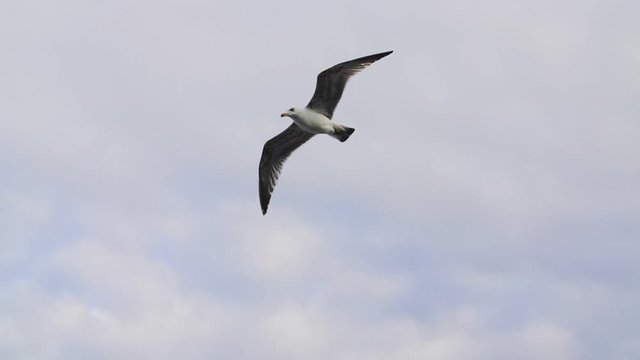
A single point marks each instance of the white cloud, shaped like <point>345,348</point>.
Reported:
<point>117,304</point>
<point>281,250</point>
<point>22,213</point>
<point>549,341</point>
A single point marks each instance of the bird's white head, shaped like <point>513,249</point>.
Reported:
<point>289,112</point>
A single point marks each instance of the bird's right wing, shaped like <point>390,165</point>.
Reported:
<point>274,154</point>
<point>331,82</point>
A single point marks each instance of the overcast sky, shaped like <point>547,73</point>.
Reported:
<point>487,206</point>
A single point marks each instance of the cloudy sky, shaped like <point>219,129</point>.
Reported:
<point>487,207</point>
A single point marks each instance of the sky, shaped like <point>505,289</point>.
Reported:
<point>487,206</point>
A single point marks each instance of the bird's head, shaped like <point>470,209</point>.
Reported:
<point>288,113</point>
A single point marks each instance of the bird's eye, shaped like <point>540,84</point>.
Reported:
<point>291,109</point>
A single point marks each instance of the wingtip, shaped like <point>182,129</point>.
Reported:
<point>379,56</point>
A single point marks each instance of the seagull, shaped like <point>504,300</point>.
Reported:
<point>313,119</point>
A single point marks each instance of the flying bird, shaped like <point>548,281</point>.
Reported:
<point>315,118</point>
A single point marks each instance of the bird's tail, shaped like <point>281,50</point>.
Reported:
<point>342,132</point>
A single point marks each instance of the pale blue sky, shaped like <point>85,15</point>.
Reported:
<point>486,207</point>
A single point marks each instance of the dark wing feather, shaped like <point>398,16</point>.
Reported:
<point>331,83</point>
<point>274,154</point>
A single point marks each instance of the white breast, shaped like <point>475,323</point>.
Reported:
<point>312,121</point>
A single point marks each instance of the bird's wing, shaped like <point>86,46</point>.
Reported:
<point>274,154</point>
<point>331,83</point>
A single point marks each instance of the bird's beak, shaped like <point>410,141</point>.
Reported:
<point>284,114</point>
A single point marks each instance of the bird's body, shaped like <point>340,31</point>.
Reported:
<point>313,119</point>
<point>317,123</point>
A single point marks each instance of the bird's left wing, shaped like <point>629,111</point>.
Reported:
<point>274,154</point>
